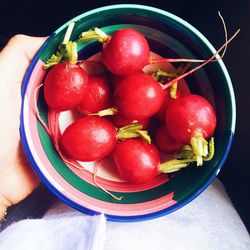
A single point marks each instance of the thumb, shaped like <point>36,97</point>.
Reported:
<point>19,52</point>
<point>25,45</point>
<point>17,55</point>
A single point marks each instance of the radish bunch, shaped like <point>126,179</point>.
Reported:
<point>123,107</point>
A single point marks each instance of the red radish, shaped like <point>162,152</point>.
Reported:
<point>99,95</point>
<point>165,143</point>
<point>65,86</point>
<point>89,138</point>
<point>136,161</point>
<point>190,120</point>
<point>126,51</point>
<point>55,133</point>
<point>189,116</point>
<point>138,96</point>
<point>92,137</point>
<point>139,162</point>
<point>119,121</point>
<point>66,82</point>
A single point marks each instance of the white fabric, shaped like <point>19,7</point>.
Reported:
<point>69,231</point>
<point>208,222</point>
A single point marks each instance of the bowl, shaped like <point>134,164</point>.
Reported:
<point>169,36</point>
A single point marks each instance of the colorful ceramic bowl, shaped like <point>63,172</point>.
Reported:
<point>169,36</point>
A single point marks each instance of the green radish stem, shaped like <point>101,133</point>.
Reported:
<point>66,50</point>
<point>187,156</point>
<point>93,34</point>
<point>162,76</point>
<point>68,33</point>
<point>71,48</point>
<point>210,151</point>
<point>173,90</point>
<point>200,148</point>
<point>133,131</point>
<point>174,165</point>
<point>105,112</point>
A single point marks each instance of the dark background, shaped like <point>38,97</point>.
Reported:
<point>41,18</point>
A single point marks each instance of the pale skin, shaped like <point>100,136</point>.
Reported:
<point>17,179</point>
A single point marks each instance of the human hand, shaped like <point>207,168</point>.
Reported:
<point>17,179</point>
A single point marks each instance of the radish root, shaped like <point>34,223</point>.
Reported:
<point>169,84</point>
<point>99,186</point>
<point>172,60</point>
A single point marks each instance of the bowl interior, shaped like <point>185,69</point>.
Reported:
<point>168,36</point>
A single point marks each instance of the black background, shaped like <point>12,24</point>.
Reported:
<point>41,18</point>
